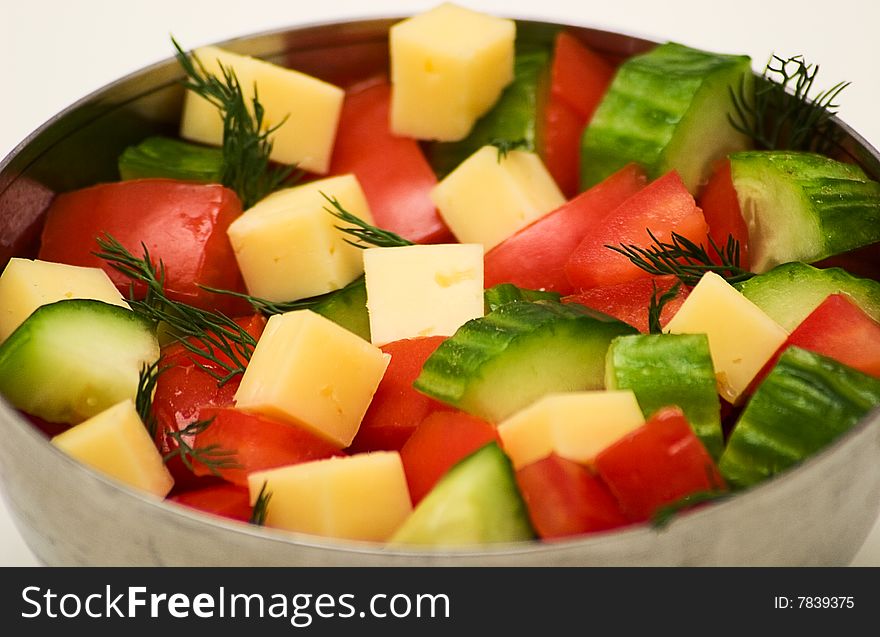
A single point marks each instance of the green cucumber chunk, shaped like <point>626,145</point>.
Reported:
<point>670,369</point>
<point>476,502</point>
<point>802,206</point>
<point>790,292</point>
<point>513,118</point>
<point>173,159</point>
<point>806,401</point>
<point>666,109</point>
<point>348,308</point>
<point>495,365</point>
<point>72,359</point>
<point>498,295</point>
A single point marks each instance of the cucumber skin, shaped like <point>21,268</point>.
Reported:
<point>789,292</point>
<point>839,205</point>
<point>648,106</point>
<point>476,502</point>
<point>804,403</point>
<point>37,377</point>
<point>348,307</point>
<point>514,117</point>
<point>172,159</point>
<point>473,364</point>
<point>670,369</point>
<point>498,295</point>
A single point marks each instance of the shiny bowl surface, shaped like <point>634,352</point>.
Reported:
<point>818,513</point>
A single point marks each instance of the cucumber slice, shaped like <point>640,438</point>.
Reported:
<point>348,308</point>
<point>495,365</point>
<point>173,159</point>
<point>806,401</point>
<point>514,117</point>
<point>476,502</point>
<point>72,359</point>
<point>670,369</point>
<point>802,206</point>
<point>498,295</point>
<point>666,109</point>
<point>789,292</point>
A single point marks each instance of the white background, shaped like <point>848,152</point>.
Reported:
<point>53,53</point>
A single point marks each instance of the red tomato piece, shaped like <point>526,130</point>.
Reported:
<point>629,302</point>
<point>176,353</point>
<point>578,75</point>
<point>664,206</point>
<point>657,464</point>
<point>182,224</point>
<point>721,208</point>
<point>561,149</point>
<point>227,500</point>
<point>441,440</point>
<point>397,409</point>
<point>259,443</point>
<point>535,257</point>
<point>396,177</point>
<point>839,329</point>
<point>564,499</point>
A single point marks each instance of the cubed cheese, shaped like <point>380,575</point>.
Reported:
<point>573,425</point>
<point>448,67</point>
<point>741,337</point>
<point>359,497</point>
<point>116,443</point>
<point>488,198</point>
<point>27,284</point>
<point>424,290</point>
<point>311,108</point>
<point>308,370</point>
<point>288,247</point>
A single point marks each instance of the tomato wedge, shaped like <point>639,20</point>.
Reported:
<point>721,208</point>
<point>657,464</point>
<point>397,409</point>
<point>396,178</point>
<point>561,147</point>
<point>578,76</point>
<point>442,439</point>
<point>182,224</point>
<point>629,302</point>
<point>258,443</point>
<point>226,500</point>
<point>536,256</point>
<point>564,499</point>
<point>664,206</point>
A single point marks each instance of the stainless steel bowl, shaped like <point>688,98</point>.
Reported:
<point>819,513</point>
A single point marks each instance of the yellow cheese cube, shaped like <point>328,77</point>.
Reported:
<point>27,284</point>
<point>487,198</point>
<point>448,67</point>
<point>116,443</point>
<point>573,425</point>
<point>311,108</point>
<point>741,337</point>
<point>359,497</point>
<point>308,370</point>
<point>424,290</point>
<point>288,247</point>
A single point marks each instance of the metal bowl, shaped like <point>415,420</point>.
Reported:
<point>818,513</point>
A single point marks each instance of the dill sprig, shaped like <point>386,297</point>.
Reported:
<point>268,308</point>
<point>663,515</point>
<point>213,456</point>
<point>685,259</point>
<point>210,335</point>
<point>780,114</point>
<point>366,235</point>
<point>261,506</point>
<point>246,143</point>
<point>143,400</point>
<point>505,145</point>
<point>655,308</point>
